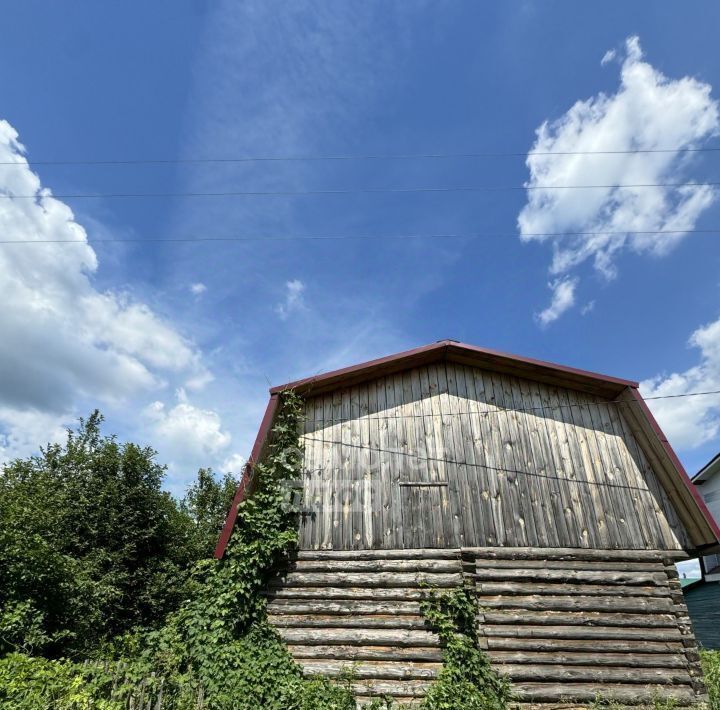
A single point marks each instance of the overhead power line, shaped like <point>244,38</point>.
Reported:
<point>348,157</point>
<point>359,237</point>
<point>499,408</point>
<point>471,464</point>
<point>352,191</point>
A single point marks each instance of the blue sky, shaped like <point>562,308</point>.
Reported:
<point>177,343</point>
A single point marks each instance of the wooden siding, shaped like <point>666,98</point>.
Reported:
<point>447,456</point>
<point>703,603</point>
<point>565,625</point>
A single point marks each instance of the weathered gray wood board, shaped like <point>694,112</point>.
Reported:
<point>449,456</point>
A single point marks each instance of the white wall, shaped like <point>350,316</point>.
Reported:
<point>710,492</point>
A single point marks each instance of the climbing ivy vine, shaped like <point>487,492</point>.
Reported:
<point>467,680</point>
<point>220,639</point>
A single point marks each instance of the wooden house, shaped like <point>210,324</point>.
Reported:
<point>549,491</point>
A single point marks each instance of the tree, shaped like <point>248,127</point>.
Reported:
<point>90,544</point>
<point>207,502</point>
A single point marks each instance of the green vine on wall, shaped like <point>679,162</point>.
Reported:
<point>467,680</point>
<point>228,646</point>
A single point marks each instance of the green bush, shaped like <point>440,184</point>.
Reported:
<point>32,683</point>
<point>91,547</point>
<point>711,669</point>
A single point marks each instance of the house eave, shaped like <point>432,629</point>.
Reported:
<point>453,351</point>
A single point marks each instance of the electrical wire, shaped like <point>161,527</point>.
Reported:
<point>360,237</point>
<point>469,464</point>
<point>349,191</point>
<point>349,157</point>
<point>499,409</point>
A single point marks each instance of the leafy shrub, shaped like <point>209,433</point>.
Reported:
<point>711,669</point>
<point>91,547</point>
<point>28,683</point>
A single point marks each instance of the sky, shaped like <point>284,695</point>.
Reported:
<point>177,343</point>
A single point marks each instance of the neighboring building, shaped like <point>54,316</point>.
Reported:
<point>703,603</point>
<point>702,596</point>
<point>707,480</point>
<point>549,491</point>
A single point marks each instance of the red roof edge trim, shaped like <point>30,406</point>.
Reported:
<point>361,366</point>
<point>543,363</point>
<point>676,462</point>
<point>449,346</point>
<point>245,482</point>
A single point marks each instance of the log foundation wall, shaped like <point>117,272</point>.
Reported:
<point>565,625</point>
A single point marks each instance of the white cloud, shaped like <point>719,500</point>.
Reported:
<point>63,340</point>
<point>187,436</point>
<point>233,464</point>
<point>608,57</point>
<point>589,307</point>
<point>648,111</point>
<point>293,299</point>
<point>689,422</point>
<point>197,289</point>
<point>563,298</point>
<point>24,430</point>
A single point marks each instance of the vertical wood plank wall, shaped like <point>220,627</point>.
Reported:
<point>448,455</point>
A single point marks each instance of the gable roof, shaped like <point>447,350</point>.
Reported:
<point>454,351</point>
<point>691,509</point>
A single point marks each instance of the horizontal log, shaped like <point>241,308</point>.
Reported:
<point>373,670</point>
<point>416,554</point>
<point>368,653</point>
<point>558,589</point>
<point>578,603</point>
<point>395,689</point>
<point>348,622</point>
<point>580,632</point>
<point>348,593</point>
<point>573,618</point>
<point>342,608</point>
<point>598,646</point>
<point>645,579</point>
<point>588,658</point>
<point>572,553</point>
<point>595,674</point>
<point>597,565</point>
<point>380,579</point>
<point>358,637</point>
<point>627,694</point>
<point>392,565</point>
